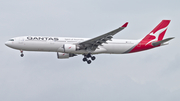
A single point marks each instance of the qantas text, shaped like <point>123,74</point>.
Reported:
<point>42,38</point>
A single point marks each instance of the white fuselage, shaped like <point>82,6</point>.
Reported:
<point>55,44</point>
<point>69,47</point>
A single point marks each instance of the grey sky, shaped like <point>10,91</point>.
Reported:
<point>152,75</point>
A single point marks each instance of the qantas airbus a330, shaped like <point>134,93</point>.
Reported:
<point>68,47</point>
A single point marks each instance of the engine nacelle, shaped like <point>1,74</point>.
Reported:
<point>70,48</point>
<point>64,55</point>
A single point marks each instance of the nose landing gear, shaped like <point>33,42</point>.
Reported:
<point>87,56</point>
<point>21,53</point>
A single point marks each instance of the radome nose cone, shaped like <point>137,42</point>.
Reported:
<point>7,43</point>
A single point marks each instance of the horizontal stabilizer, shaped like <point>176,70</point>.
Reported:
<point>161,42</point>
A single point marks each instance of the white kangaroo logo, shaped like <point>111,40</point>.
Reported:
<point>156,34</point>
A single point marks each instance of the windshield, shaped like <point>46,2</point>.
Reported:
<point>11,39</point>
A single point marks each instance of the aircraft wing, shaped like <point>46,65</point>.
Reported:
<point>93,43</point>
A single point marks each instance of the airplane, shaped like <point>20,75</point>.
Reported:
<point>67,47</point>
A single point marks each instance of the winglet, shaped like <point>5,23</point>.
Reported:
<point>125,25</point>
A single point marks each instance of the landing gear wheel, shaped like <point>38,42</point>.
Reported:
<point>89,61</point>
<point>22,55</point>
<point>84,59</point>
<point>93,58</point>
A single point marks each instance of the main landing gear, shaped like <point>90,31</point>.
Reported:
<point>21,53</point>
<point>87,56</point>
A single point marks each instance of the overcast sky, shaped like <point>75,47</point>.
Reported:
<point>152,75</point>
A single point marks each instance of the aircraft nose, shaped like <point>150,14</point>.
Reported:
<point>7,43</point>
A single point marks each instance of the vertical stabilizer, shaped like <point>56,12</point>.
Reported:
<point>155,35</point>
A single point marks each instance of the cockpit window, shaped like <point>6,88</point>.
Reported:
<point>11,39</point>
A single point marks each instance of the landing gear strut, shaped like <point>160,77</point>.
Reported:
<point>21,53</point>
<point>87,56</point>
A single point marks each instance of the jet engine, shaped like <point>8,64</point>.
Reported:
<point>64,55</point>
<point>70,48</point>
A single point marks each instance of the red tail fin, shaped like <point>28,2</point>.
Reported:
<point>155,35</point>
<point>158,32</point>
